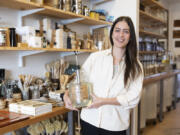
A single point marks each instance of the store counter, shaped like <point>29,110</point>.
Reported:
<point>158,96</point>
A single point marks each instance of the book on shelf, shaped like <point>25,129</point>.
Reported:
<point>30,107</point>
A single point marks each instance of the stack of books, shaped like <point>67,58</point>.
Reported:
<point>30,107</point>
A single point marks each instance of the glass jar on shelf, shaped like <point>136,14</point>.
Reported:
<point>3,36</point>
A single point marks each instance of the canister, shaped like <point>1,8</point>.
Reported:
<point>85,10</point>
<point>93,14</point>
<point>13,42</point>
<point>97,16</point>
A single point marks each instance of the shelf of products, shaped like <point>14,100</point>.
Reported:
<point>33,120</point>
<point>48,11</point>
<point>152,19</point>
<point>51,11</point>
<point>44,49</point>
<point>153,26</point>
<point>40,9</point>
<point>153,4</point>
<point>150,34</point>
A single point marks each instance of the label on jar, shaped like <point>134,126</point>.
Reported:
<point>2,38</point>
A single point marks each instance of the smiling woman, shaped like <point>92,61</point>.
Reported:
<point>116,75</point>
<point>121,35</point>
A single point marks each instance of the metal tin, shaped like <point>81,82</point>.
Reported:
<point>77,6</point>
<point>85,11</point>
<point>93,14</point>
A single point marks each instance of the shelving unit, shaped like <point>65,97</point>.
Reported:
<point>26,8</point>
<point>66,17</point>
<point>150,26</point>
<point>153,4</point>
<point>50,11</point>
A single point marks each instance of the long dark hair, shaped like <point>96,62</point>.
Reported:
<point>132,69</point>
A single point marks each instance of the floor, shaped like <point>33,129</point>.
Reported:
<point>169,126</point>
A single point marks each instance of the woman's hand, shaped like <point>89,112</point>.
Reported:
<point>67,101</point>
<point>97,102</point>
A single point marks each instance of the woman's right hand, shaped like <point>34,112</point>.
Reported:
<point>67,101</point>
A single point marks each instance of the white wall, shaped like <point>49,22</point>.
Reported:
<point>118,8</point>
<point>8,17</point>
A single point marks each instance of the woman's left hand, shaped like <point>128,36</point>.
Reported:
<point>96,102</point>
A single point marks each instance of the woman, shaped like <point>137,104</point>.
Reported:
<point>117,77</point>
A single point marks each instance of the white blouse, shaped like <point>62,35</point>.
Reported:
<point>98,70</point>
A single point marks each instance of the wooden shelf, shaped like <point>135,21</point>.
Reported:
<point>19,4</point>
<point>150,34</point>
<point>151,18</point>
<point>153,3</point>
<point>159,76</point>
<point>53,12</point>
<point>44,49</point>
<point>150,52</point>
<point>50,11</point>
<point>33,119</point>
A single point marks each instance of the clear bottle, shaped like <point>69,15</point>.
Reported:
<point>80,92</point>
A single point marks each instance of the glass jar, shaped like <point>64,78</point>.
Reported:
<point>9,93</point>
<point>36,94</point>
<point>2,37</point>
<point>80,94</point>
<point>25,93</point>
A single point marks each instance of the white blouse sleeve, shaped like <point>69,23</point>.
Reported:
<point>131,97</point>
